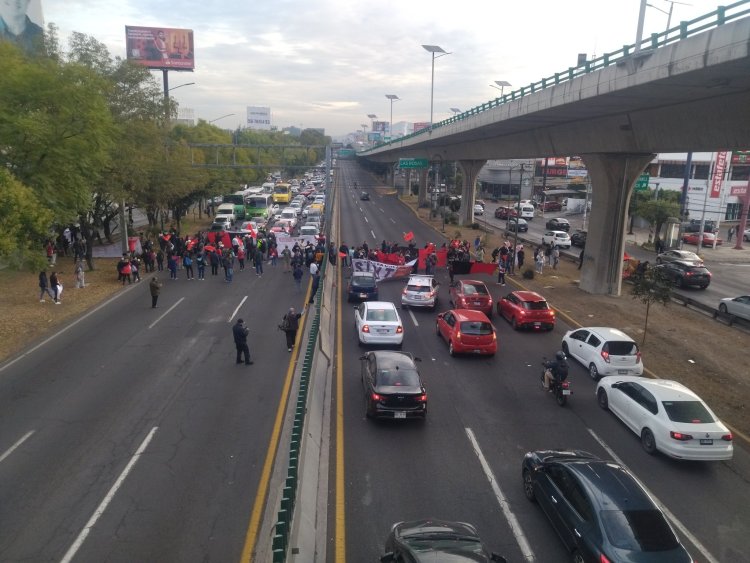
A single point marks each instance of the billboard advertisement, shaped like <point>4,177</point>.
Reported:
<point>259,118</point>
<point>160,47</point>
<point>381,126</point>
<point>419,125</point>
<point>718,177</point>
<point>22,23</point>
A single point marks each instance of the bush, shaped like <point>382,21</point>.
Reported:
<point>528,274</point>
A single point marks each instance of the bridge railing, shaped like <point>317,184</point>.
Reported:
<point>685,29</point>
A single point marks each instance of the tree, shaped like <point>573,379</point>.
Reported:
<point>650,286</point>
<point>657,211</point>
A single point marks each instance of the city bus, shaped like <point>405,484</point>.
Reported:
<point>238,200</point>
<point>282,193</point>
<point>258,207</point>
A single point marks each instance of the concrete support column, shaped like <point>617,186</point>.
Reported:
<point>422,197</point>
<point>407,187</point>
<point>612,179</point>
<point>393,175</point>
<point>471,170</point>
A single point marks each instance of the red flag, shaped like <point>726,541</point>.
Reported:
<point>250,229</point>
<point>342,254</point>
<point>408,236</point>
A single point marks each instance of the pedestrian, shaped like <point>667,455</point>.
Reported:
<point>730,233</point>
<point>187,263</point>
<point>539,262</point>
<point>580,257</point>
<point>171,265</point>
<point>548,254</point>
<point>501,272</point>
<point>297,274</point>
<point>160,260</point>
<point>287,255</point>
<point>555,256</point>
<point>290,326</point>
<point>313,269</point>
<point>214,259</point>
<point>241,256</point>
<point>135,268</point>
<point>44,287</point>
<point>344,253</point>
<point>200,262</point>
<point>314,289</point>
<point>154,287</point>
<point>51,253</point>
<point>124,269</point>
<point>80,275</point>
<point>228,264</point>
<point>477,242</point>
<point>258,261</point>
<point>274,254</point>
<point>520,256</point>
<point>480,254</point>
<point>240,332</point>
<point>56,286</point>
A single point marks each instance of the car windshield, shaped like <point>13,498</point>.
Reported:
<point>535,305</point>
<point>364,281</point>
<point>402,377</point>
<point>692,412</point>
<point>638,530</point>
<point>470,289</point>
<point>476,328</point>
<point>418,288</point>
<point>381,315</point>
<point>621,348</point>
<point>258,202</point>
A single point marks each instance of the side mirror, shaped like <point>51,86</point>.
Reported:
<point>417,359</point>
<point>498,558</point>
<point>387,558</point>
<point>362,358</point>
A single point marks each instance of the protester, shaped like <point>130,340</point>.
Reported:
<point>154,287</point>
<point>80,275</point>
<point>290,325</point>
<point>240,332</point>
<point>56,286</point>
<point>44,287</point>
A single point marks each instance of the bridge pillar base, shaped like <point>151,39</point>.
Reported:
<point>471,170</point>
<point>613,176</point>
<point>422,197</point>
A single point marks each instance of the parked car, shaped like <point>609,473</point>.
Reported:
<point>708,239</point>
<point>746,235</point>
<point>684,274</point>
<point>392,385</point>
<point>551,205</point>
<point>517,223</point>
<point>603,351</point>
<point>578,238</point>
<point>598,509</point>
<point>436,540</point>
<point>558,224</point>
<point>378,322</point>
<point>526,309</point>
<point>478,209</point>
<point>363,286</point>
<point>467,332</point>
<point>471,294</point>
<point>560,238</point>
<point>420,291</point>
<point>364,196</point>
<point>667,416</point>
<point>737,306</point>
<point>679,255</point>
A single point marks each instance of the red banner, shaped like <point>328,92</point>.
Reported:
<point>442,257</point>
<point>718,177</point>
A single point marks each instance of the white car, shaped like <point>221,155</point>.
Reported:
<point>603,351</point>
<point>225,220</point>
<point>310,230</point>
<point>560,238</point>
<point>737,306</point>
<point>667,416</point>
<point>420,291</point>
<point>289,214</point>
<point>746,236</point>
<point>378,322</point>
<point>478,209</point>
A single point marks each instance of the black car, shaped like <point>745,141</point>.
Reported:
<point>436,540</point>
<point>364,196</point>
<point>517,223</point>
<point>363,286</point>
<point>598,509</point>
<point>558,224</point>
<point>685,274</point>
<point>392,386</point>
<point>578,238</point>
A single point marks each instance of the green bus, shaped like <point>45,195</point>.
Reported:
<point>238,200</point>
<point>258,206</point>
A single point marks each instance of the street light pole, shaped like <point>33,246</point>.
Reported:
<point>501,84</point>
<point>392,98</point>
<point>434,49</point>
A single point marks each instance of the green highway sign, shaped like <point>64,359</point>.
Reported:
<point>641,184</point>
<point>412,163</point>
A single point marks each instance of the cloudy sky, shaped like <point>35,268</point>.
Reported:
<point>329,63</point>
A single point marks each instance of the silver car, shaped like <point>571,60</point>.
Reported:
<point>420,291</point>
<point>736,306</point>
<point>679,255</point>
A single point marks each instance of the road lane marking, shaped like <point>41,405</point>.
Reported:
<point>413,318</point>
<point>373,234</point>
<point>340,504</point>
<point>153,324</point>
<point>16,445</point>
<point>381,209</point>
<point>73,549</point>
<point>393,220</point>
<point>366,220</point>
<point>679,525</point>
<point>515,526</point>
<point>229,320</point>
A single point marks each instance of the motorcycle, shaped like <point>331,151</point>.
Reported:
<point>561,390</point>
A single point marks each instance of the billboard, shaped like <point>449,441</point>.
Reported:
<point>22,23</point>
<point>380,126</point>
<point>160,47</point>
<point>259,118</point>
<point>419,125</point>
<point>719,168</point>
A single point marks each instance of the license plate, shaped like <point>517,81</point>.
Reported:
<point>417,297</point>
<point>477,351</point>
<point>622,371</point>
<point>537,325</point>
<point>363,296</point>
<point>477,302</point>
<point>566,391</point>
<point>399,414</point>
<point>705,442</point>
<point>382,331</point>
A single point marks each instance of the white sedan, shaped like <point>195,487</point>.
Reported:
<point>667,416</point>
<point>378,322</point>
<point>560,238</point>
<point>478,209</point>
<point>737,306</point>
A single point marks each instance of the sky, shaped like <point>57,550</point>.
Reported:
<point>329,63</point>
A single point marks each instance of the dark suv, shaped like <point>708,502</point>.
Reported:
<point>363,286</point>
<point>684,274</point>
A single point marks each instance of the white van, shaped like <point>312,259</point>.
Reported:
<point>226,209</point>
<point>526,211</point>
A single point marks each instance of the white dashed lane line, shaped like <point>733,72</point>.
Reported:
<point>413,318</point>
<point>17,445</point>
<point>373,235</point>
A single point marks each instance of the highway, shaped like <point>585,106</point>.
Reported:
<point>131,435</point>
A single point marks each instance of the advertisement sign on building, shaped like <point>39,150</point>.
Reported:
<point>160,47</point>
<point>22,23</point>
<point>259,118</point>
<point>718,177</point>
<point>740,157</point>
<point>576,167</point>
<point>419,125</point>
<point>380,126</point>
<point>374,137</point>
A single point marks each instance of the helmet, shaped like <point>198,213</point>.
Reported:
<point>560,355</point>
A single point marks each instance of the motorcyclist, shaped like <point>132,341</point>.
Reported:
<point>557,369</point>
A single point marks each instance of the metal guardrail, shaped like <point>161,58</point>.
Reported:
<point>685,29</point>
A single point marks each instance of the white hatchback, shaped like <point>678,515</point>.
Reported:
<point>378,322</point>
<point>603,351</point>
<point>560,238</point>
<point>667,416</point>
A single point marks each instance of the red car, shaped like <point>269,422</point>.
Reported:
<point>526,309</point>
<point>471,294</point>
<point>467,332</point>
<point>552,205</point>
<point>708,239</point>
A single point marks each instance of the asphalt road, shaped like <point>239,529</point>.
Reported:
<point>463,462</point>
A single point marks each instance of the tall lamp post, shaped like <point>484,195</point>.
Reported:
<point>392,98</point>
<point>433,49</point>
<point>455,110</point>
<point>372,118</point>
<point>222,117</point>
<point>500,85</point>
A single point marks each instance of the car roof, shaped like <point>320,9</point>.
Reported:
<point>559,233</point>
<point>562,219</point>
<point>470,315</point>
<point>379,305</point>
<point>610,485</point>
<point>529,296</point>
<point>662,389</point>
<point>388,359</point>
<point>472,282</point>
<point>606,332</point>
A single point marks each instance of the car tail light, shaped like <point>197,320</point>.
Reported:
<point>565,385</point>
<point>727,437</point>
<point>458,335</point>
<point>638,357</point>
<point>365,328</point>
<point>604,559</point>
<point>680,436</point>
<point>399,329</point>
<point>422,398</point>
<point>375,397</point>
<point>605,355</point>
